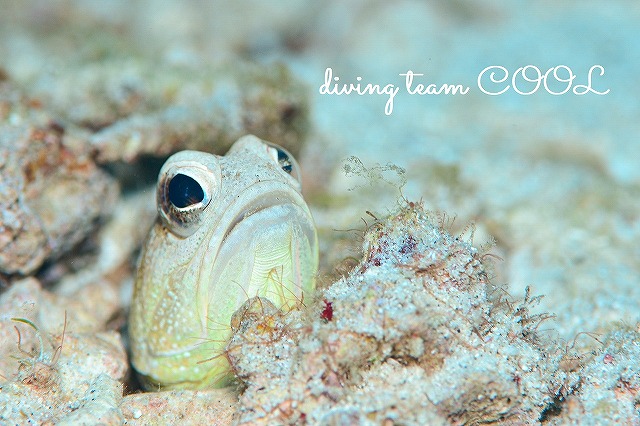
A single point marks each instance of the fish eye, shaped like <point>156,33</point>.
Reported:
<point>187,183</point>
<point>286,161</point>
<point>184,191</point>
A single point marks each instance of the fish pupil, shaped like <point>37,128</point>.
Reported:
<point>284,161</point>
<point>184,191</point>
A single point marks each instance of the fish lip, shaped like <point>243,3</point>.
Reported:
<point>281,195</point>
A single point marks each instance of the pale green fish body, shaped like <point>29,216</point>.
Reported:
<point>229,228</point>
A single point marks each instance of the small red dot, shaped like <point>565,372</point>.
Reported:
<point>327,312</point>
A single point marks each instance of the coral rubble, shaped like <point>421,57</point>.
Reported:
<point>416,335</point>
<point>54,374</point>
<point>51,196</point>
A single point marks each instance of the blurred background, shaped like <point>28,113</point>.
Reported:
<point>555,180</point>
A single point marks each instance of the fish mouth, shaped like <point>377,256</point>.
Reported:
<point>268,249</point>
<point>272,201</point>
